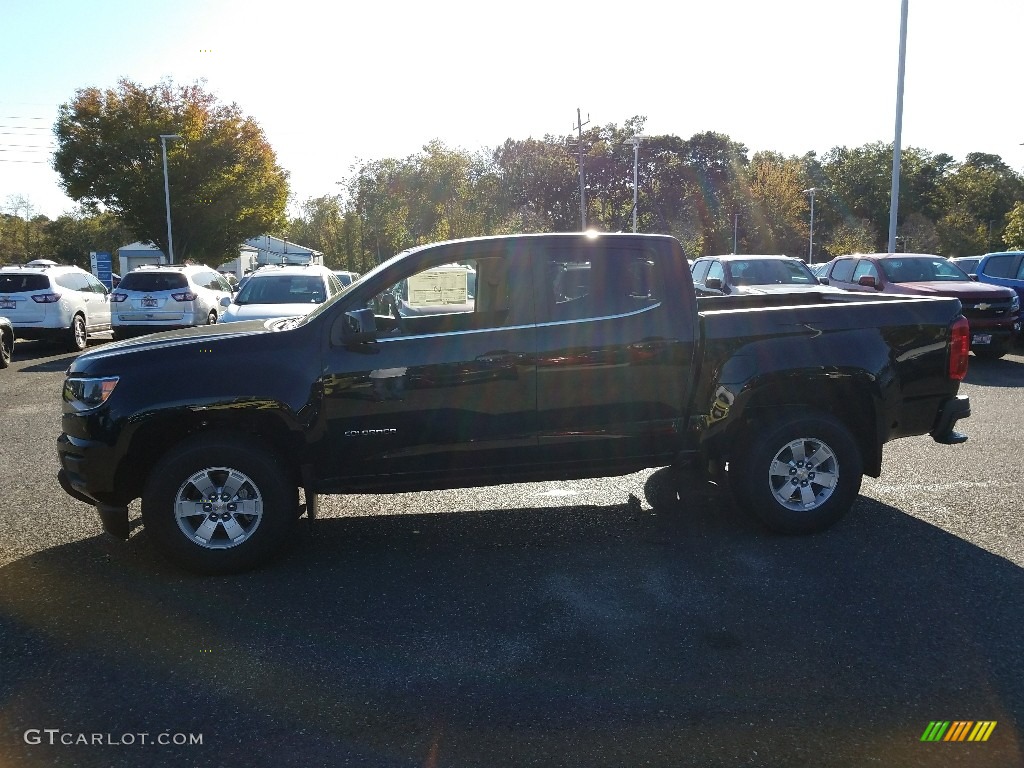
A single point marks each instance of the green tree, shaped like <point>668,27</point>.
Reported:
<point>1013,235</point>
<point>225,183</point>
<point>71,237</point>
<point>779,208</point>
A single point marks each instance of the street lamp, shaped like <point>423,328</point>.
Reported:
<point>810,242</point>
<point>167,193</point>
<point>635,141</point>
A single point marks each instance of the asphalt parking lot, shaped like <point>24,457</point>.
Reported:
<point>548,624</point>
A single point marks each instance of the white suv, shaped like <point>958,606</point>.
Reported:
<point>53,302</point>
<point>160,298</point>
<point>290,291</point>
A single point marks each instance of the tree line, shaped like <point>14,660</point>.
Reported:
<point>708,190</point>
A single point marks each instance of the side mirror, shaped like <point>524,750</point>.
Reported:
<point>868,281</point>
<point>822,281</point>
<point>973,277</point>
<point>714,282</point>
<point>355,327</point>
<point>225,301</point>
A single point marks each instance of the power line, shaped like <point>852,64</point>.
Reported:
<point>33,162</point>
<point>21,117</point>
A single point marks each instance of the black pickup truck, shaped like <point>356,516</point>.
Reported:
<point>498,360</point>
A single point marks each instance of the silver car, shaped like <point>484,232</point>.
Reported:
<point>161,298</point>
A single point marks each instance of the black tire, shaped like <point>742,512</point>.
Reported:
<point>6,349</point>
<point>78,335</point>
<point>243,475</point>
<point>773,456</point>
<point>211,319</point>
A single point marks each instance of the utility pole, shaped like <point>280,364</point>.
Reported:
<point>735,230</point>
<point>583,192</point>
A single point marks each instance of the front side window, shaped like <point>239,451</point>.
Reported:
<point>842,271</point>
<point>471,294</point>
<point>1000,266</point>
<point>864,269</point>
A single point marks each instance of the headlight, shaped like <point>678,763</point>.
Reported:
<point>88,393</point>
<point>1015,304</point>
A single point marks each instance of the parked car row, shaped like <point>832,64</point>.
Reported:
<point>990,296</point>
<point>993,311</point>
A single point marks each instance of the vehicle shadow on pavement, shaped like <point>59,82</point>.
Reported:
<point>592,635</point>
<point>1005,372</point>
<point>25,351</point>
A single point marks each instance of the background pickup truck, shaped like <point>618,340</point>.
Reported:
<point>576,355</point>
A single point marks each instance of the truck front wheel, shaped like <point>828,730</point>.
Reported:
<point>800,474</point>
<point>216,505</point>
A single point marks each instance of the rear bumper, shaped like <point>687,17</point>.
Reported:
<point>951,411</point>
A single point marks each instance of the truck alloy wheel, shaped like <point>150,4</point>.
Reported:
<point>798,475</point>
<point>218,505</point>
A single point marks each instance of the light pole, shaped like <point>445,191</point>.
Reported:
<point>635,141</point>
<point>810,242</point>
<point>894,194</point>
<point>735,230</point>
<point>167,193</point>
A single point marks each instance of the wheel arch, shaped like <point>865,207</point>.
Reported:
<point>845,398</point>
<point>263,429</point>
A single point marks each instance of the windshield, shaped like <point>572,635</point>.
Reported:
<point>922,270</point>
<point>283,289</point>
<point>771,271</point>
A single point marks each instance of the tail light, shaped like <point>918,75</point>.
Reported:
<point>46,298</point>
<point>186,296</point>
<point>959,346</point>
<point>117,298</point>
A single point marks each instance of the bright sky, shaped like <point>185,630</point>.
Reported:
<point>332,83</point>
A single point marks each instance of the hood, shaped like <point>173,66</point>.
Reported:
<point>182,336</point>
<point>957,289</point>
<point>755,290</point>
<point>237,312</point>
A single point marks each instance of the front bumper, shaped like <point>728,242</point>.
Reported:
<point>81,478</point>
<point>114,518</point>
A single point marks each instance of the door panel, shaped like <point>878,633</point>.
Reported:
<point>614,360</point>
<point>438,391</point>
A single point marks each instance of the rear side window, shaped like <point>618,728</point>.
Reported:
<point>18,283</point>
<point>1000,266</point>
<point>151,282</point>
<point>73,281</point>
<point>610,282</point>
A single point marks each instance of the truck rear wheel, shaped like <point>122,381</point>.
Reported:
<point>800,474</point>
<point>217,505</point>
